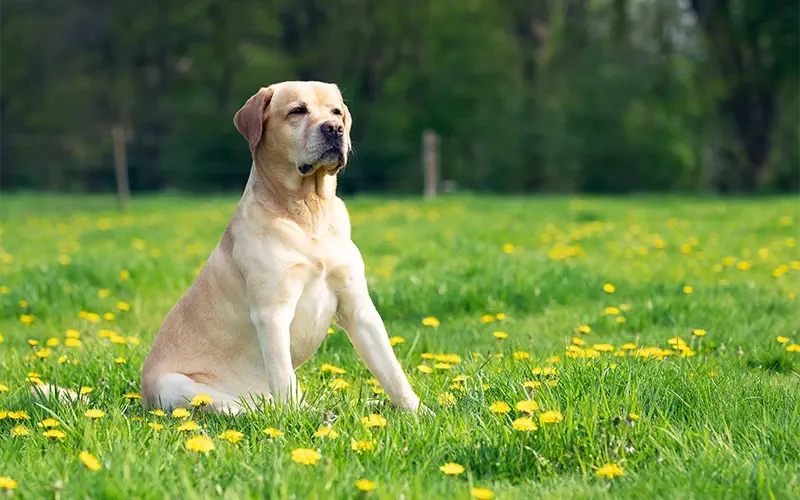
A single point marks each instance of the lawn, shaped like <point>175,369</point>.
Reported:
<point>657,335</point>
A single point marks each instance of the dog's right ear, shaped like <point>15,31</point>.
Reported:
<point>249,120</point>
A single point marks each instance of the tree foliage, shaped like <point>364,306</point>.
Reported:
<point>565,95</point>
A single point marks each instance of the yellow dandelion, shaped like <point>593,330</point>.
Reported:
<point>425,369</point>
<point>200,444</point>
<point>396,340</point>
<point>54,434</point>
<point>326,367</point>
<point>688,289</point>
<point>793,348</point>
<point>585,329</point>
<point>120,360</point>
<point>18,415</point>
<point>331,331</point>
<point>487,318</point>
<point>446,399</point>
<point>633,416</point>
<point>123,306</point>
<point>90,461</point>
<point>201,400</point>
<point>155,426</point>
<point>92,317</point>
<point>452,469</point>
<point>442,366</point>
<point>362,446</point>
<point>499,407</point>
<point>109,316</point>
<point>273,432</point>
<point>188,426</point>
<point>52,342</point>
<point>305,456</point>
<point>550,417</point>
<point>103,293</point>
<point>481,493</point>
<point>131,395</point>
<point>782,340</point>
<point>27,319</point>
<point>603,347</point>
<point>6,483</point>
<point>501,316</point>
<point>374,420</point>
<point>609,288</point>
<point>94,413</point>
<point>610,471</point>
<point>326,432</point>
<point>232,436</point>
<point>3,388</point>
<point>365,485</point>
<point>49,423</point>
<point>524,424</point>
<point>124,275</point>
<point>181,413</point>
<point>527,406</point>
<point>520,355</point>
<point>500,335</point>
<point>338,384</point>
<point>611,311</point>
<point>578,341</point>
<point>430,321</point>
<point>699,332</point>
<point>20,431</point>
<point>531,384</point>
<point>629,346</point>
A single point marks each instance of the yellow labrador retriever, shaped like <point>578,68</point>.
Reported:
<point>283,269</point>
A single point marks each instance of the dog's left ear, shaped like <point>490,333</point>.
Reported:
<point>249,120</point>
<point>348,123</point>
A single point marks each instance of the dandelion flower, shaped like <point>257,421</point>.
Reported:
<point>610,471</point>
<point>272,432</point>
<point>524,424</point>
<point>452,469</point>
<point>232,436</point>
<point>131,395</point>
<point>550,417</point>
<point>123,306</point>
<point>27,319</point>
<point>442,366</point>
<point>699,332</point>
<point>94,413</point>
<point>201,400</point>
<point>20,431</point>
<point>158,412</point>
<point>446,399</point>
<point>585,328</point>
<point>396,340</point>
<point>52,342</point>
<point>793,348</point>
<point>374,420</point>
<point>520,355</point>
<point>326,367</point>
<point>425,369</point>
<point>200,444</point>
<point>487,318</point>
<point>305,456</point>
<point>609,288</point>
<point>124,275</point>
<point>500,316</point>
<point>109,316</point>
<point>49,423</point>
<point>499,407</point>
<point>6,483</point>
<point>181,413</point>
<point>603,347</point>
<point>54,434</point>
<point>72,343</point>
<point>326,432</point>
<point>338,384</point>
<point>188,426</point>
<point>481,493</point>
<point>90,461</point>
<point>633,416</point>
<point>362,446</point>
<point>527,406</point>
<point>120,360</point>
<point>508,248</point>
<point>782,340</point>
<point>500,335</point>
<point>430,321</point>
<point>3,388</point>
<point>365,485</point>
<point>611,311</point>
<point>688,289</point>
<point>331,331</point>
<point>155,426</point>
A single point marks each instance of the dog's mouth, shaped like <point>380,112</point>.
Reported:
<point>331,160</point>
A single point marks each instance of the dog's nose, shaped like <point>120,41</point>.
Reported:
<point>332,129</point>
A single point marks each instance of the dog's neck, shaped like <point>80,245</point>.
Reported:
<point>281,190</point>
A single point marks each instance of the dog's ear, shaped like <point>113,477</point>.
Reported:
<point>249,120</point>
<point>348,123</point>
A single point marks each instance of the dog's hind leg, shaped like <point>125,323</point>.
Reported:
<point>175,390</point>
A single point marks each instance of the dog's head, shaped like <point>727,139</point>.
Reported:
<point>305,125</point>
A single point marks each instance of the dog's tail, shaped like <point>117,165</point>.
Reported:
<point>47,392</point>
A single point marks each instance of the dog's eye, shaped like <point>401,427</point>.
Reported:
<point>299,110</point>
<point>337,111</point>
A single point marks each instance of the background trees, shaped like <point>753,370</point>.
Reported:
<point>564,95</point>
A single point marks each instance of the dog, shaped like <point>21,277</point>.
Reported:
<point>284,268</point>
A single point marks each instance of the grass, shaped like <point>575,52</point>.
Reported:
<point>718,415</point>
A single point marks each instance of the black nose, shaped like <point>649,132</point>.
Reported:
<point>332,130</point>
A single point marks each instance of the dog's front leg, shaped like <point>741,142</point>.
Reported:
<point>364,326</point>
<point>271,312</point>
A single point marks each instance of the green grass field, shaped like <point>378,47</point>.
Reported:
<point>659,335</point>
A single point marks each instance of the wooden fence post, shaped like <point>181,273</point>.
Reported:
<point>121,165</point>
<point>430,162</point>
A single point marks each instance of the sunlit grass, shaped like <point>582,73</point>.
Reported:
<point>567,347</point>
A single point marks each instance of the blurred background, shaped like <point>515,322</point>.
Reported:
<point>520,96</point>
